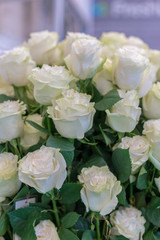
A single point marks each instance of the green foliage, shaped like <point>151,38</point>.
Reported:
<point>121,164</point>
<point>142,179</point>
<point>153,216</point>
<point>38,127</point>
<point>70,219</point>
<point>22,221</point>
<point>70,193</point>
<point>88,235</point>
<point>4,222</point>
<point>108,100</point>
<point>4,98</point>
<point>66,147</point>
<point>66,234</point>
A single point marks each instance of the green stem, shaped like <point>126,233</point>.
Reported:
<point>131,192</point>
<point>98,227</point>
<point>10,233</point>
<point>55,211</point>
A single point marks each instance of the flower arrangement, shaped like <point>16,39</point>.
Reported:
<point>80,139</point>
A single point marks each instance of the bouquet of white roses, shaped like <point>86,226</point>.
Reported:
<point>80,139</point>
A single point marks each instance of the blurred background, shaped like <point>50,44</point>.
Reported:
<point>133,17</point>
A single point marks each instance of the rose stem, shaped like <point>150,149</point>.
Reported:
<point>55,211</point>
<point>98,227</point>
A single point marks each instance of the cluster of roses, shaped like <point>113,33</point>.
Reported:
<point>51,72</point>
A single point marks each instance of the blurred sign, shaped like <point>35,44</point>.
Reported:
<point>133,17</point>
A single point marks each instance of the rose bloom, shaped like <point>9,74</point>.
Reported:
<point>9,182</point>
<point>31,135</point>
<point>154,57</point>
<point>46,230</point>
<point>151,102</point>
<point>43,169</point>
<point>138,150</point>
<point>6,89</point>
<point>133,71</point>
<point>11,123</point>
<point>128,222</point>
<point>102,81</point>
<point>124,115</point>
<point>151,129</point>
<point>152,132</point>
<point>15,66</point>
<point>100,189</point>
<point>71,37</point>
<point>84,58</point>
<point>112,41</point>
<point>49,82</point>
<point>72,114</point>
<point>42,45</point>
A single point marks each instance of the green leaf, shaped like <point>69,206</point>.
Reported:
<point>88,235</point>
<point>149,236</point>
<point>22,221</point>
<point>142,179</point>
<point>66,234</point>
<point>153,216</point>
<point>38,127</point>
<point>95,160</point>
<point>70,193</point>
<point>4,222</point>
<point>122,164</point>
<point>154,203</point>
<point>70,219</point>
<point>4,98</point>
<point>62,143</point>
<point>68,156</point>
<point>106,138</point>
<point>140,199</point>
<point>82,224</point>
<point>108,100</point>
<point>122,197</point>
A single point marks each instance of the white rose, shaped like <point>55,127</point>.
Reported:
<point>41,46</point>
<point>112,41</point>
<point>72,114</point>
<point>152,131</point>
<point>46,230</point>
<point>100,189</point>
<point>85,58</point>
<point>128,222</point>
<point>151,102</point>
<point>9,182</point>
<point>125,114</point>
<point>43,169</point>
<point>154,56</point>
<point>15,66</point>
<point>133,71</point>
<point>11,123</point>
<point>49,82</point>
<point>31,135</point>
<point>138,150</point>
<point>6,89</point>
<point>102,81</point>
<point>71,37</point>
<point>135,41</point>
<point>157,182</point>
